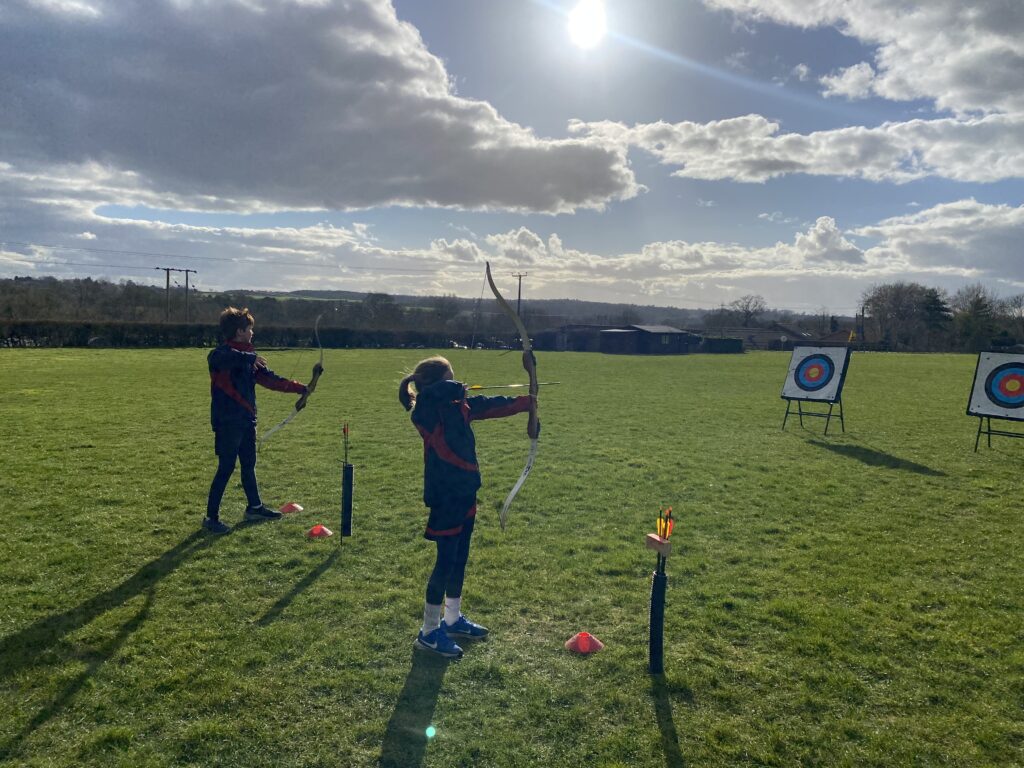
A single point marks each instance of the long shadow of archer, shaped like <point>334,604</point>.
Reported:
<point>405,740</point>
<point>878,458</point>
<point>27,648</point>
<point>275,610</point>
<point>99,658</point>
<point>666,724</point>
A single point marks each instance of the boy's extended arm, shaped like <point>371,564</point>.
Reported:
<point>267,378</point>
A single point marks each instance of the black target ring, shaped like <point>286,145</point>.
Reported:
<point>814,373</point>
<point>1004,385</point>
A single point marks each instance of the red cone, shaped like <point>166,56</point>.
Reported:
<point>290,507</point>
<point>319,532</point>
<point>583,642</point>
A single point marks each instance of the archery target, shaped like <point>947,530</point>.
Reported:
<point>998,387</point>
<point>816,373</point>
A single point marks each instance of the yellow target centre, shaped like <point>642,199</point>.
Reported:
<point>1013,385</point>
<point>814,372</point>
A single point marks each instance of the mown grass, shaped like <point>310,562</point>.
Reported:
<point>853,599</point>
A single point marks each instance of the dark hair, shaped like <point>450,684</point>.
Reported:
<point>427,372</point>
<point>232,320</point>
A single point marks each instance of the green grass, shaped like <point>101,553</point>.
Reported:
<point>851,600</point>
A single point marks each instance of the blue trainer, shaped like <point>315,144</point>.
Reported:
<point>465,628</point>
<point>438,642</point>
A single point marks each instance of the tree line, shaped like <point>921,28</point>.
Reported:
<point>912,317</point>
<point>68,311</point>
<point>901,316</point>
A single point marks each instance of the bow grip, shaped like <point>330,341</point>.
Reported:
<point>317,370</point>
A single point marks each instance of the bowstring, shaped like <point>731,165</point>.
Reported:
<point>478,314</point>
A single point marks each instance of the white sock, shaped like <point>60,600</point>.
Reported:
<point>431,618</point>
<point>452,610</point>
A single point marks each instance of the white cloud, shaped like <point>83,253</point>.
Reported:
<point>825,243</point>
<point>271,105</point>
<point>751,149</point>
<point>964,56</point>
<point>701,203</point>
<point>945,245</point>
<point>853,82</point>
<point>802,72</point>
<point>776,217</point>
<point>966,236</point>
<point>737,60</point>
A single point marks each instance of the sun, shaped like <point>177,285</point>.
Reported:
<point>587,23</point>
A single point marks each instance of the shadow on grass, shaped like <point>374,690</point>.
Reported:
<point>28,647</point>
<point>96,660</point>
<point>405,740</point>
<point>666,723</point>
<point>298,589</point>
<point>32,645</point>
<point>875,458</point>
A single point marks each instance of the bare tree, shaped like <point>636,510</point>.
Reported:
<point>749,307</point>
<point>975,308</point>
<point>898,313</point>
<point>1014,308</point>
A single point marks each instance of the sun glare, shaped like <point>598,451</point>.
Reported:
<point>587,23</point>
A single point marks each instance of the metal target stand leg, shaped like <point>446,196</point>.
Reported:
<point>828,417</point>
<point>800,412</point>
<point>985,428</point>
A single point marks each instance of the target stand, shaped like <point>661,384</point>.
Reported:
<point>997,393</point>
<point>816,375</point>
<point>826,415</point>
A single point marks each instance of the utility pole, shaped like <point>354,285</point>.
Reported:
<point>519,294</point>
<point>167,272</point>
<point>186,292</point>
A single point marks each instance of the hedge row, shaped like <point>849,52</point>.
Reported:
<point>51,333</point>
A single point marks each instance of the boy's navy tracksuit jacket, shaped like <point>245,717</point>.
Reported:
<point>233,380</point>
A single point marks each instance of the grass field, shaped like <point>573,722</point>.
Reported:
<point>851,600</point>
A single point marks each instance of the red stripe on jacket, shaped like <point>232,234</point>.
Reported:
<point>278,384</point>
<point>519,405</point>
<point>453,531</point>
<point>435,440</point>
<point>222,381</point>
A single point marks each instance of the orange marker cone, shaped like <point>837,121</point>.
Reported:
<point>290,507</point>
<point>583,642</point>
<point>319,532</point>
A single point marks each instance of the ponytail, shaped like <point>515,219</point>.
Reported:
<point>405,395</point>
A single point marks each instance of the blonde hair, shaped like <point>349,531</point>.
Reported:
<point>427,372</point>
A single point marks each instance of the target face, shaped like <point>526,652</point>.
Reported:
<point>998,387</point>
<point>816,373</point>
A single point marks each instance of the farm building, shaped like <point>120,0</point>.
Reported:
<point>571,338</point>
<point>648,340</point>
<point>776,337</point>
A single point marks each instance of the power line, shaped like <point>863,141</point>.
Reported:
<point>230,259</point>
<point>697,304</point>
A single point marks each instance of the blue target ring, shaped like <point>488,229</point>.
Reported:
<point>814,372</point>
<point>1004,386</point>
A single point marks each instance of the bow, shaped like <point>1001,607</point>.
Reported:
<point>301,403</point>
<point>530,365</point>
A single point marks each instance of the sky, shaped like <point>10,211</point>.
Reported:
<point>681,153</point>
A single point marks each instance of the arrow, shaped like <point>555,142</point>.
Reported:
<point>475,387</point>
